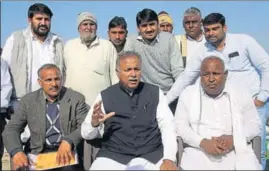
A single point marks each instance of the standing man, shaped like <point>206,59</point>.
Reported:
<point>54,115</point>
<point>90,66</point>
<point>165,22</point>
<point>27,50</point>
<point>193,37</point>
<point>246,61</point>
<point>6,90</point>
<point>134,122</point>
<point>162,62</point>
<point>117,32</point>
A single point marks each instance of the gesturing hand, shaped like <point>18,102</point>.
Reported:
<point>98,116</point>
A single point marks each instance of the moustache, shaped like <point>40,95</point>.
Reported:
<point>54,88</point>
<point>43,26</point>
<point>150,32</point>
<point>132,79</point>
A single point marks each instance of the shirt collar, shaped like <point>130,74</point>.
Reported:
<point>211,47</point>
<point>156,40</point>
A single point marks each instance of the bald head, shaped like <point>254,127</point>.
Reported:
<point>213,75</point>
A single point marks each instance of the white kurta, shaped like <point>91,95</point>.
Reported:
<point>216,120</point>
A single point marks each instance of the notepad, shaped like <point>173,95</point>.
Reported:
<point>46,161</point>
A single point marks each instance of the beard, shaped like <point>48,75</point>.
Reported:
<point>87,37</point>
<point>39,30</point>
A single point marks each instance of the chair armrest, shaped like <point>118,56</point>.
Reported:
<point>180,151</point>
<point>256,145</point>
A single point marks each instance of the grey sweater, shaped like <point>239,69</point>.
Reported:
<point>161,60</point>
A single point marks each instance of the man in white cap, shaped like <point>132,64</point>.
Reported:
<point>90,65</point>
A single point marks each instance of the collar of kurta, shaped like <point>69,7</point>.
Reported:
<point>224,92</point>
<point>129,91</point>
<point>95,42</point>
<point>191,39</point>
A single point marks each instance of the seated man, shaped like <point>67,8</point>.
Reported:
<point>134,121</point>
<point>54,115</point>
<point>217,121</point>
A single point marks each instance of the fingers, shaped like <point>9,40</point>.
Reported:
<point>20,160</point>
<point>105,117</point>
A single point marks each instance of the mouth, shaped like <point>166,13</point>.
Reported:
<point>212,86</point>
<point>132,81</point>
<point>43,28</point>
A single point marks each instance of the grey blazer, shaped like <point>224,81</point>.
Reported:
<point>32,111</point>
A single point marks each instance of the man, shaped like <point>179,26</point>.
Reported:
<point>27,50</point>
<point>246,60</point>
<point>90,57</point>
<point>117,32</point>
<point>218,121</point>
<point>54,115</point>
<point>193,37</point>
<point>162,62</point>
<point>138,130</point>
<point>90,63</point>
<point>165,22</point>
<point>6,90</point>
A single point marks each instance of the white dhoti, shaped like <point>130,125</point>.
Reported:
<point>103,163</point>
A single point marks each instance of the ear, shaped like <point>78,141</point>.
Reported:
<point>226,73</point>
<point>29,21</point>
<point>108,34</point>
<point>225,28</point>
<point>39,82</point>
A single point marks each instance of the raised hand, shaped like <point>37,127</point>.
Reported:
<point>98,116</point>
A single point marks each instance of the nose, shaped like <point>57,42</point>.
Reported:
<point>211,78</point>
<point>148,28</point>
<point>165,28</point>
<point>211,32</point>
<point>133,73</point>
<point>53,83</point>
<point>42,21</point>
<point>117,35</point>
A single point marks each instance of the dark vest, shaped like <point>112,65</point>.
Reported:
<point>133,131</point>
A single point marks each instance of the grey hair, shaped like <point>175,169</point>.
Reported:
<point>214,58</point>
<point>47,66</point>
<point>193,11</point>
<point>126,54</point>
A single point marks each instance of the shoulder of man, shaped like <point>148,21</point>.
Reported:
<point>73,94</point>
<point>32,96</point>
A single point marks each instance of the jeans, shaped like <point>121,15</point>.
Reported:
<point>264,114</point>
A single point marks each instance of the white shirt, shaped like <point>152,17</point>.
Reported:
<point>192,45</point>
<point>216,120</point>
<point>244,67</point>
<point>42,53</point>
<point>6,86</point>
<point>164,118</point>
